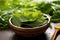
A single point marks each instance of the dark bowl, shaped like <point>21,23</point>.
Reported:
<point>30,32</point>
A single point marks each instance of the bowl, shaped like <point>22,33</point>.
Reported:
<point>30,32</point>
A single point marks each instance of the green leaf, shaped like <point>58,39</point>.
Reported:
<point>45,8</point>
<point>56,16</point>
<point>56,2</point>
<point>16,21</point>
<point>29,18</point>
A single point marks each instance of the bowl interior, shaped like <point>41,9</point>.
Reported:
<point>47,16</point>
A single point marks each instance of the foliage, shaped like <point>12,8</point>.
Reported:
<point>28,18</point>
<point>56,16</point>
<point>45,8</point>
<point>7,7</point>
<point>51,8</point>
<point>56,2</point>
<point>56,12</point>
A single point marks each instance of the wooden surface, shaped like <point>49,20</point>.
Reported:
<point>10,35</point>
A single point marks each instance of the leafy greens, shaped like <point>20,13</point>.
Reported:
<point>28,18</point>
<point>7,8</point>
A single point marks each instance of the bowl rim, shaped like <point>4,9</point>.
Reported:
<point>33,27</point>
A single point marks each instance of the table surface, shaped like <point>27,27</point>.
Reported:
<point>10,35</point>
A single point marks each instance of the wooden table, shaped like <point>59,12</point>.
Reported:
<point>10,35</point>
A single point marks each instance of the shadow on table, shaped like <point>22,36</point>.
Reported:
<point>40,37</point>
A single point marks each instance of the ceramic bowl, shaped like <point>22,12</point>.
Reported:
<point>30,32</point>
